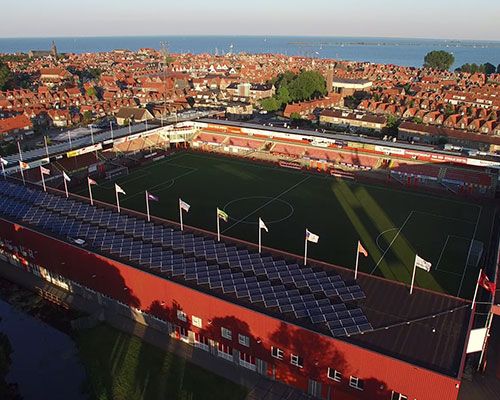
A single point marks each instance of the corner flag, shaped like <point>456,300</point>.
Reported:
<point>361,249</point>
<point>311,237</point>
<point>422,264</point>
<point>262,225</point>
<point>118,189</point>
<point>222,215</point>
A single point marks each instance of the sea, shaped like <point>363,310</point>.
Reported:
<point>406,52</point>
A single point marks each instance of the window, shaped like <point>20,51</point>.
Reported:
<point>277,353</point>
<point>226,333</point>
<point>201,342</point>
<point>356,383</point>
<point>398,396</point>
<point>335,375</point>
<point>196,321</point>
<point>181,315</point>
<point>243,340</point>
<point>296,360</point>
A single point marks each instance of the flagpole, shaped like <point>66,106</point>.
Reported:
<point>46,146</point>
<point>305,252</point>
<point>218,228</point>
<point>117,200</point>
<point>357,262</point>
<point>414,272</point>
<point>180,215</point>
<point>260,237</point>
<point>475,291</point>
<point>22,174</point>
<point>20,153</point>
<point>43,179</point>
<point>489,322</point>
<point>3,169</point>
<point>147,206</point>
<point>90,193</point>
<point>65,186</point>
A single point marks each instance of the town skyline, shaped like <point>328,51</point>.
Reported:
<point>382,19</point>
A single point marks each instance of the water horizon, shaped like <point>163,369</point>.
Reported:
<point>382,50</point>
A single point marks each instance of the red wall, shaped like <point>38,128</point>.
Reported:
<point>162,297</point>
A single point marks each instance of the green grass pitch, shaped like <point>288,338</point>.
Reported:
<point>392,224</point>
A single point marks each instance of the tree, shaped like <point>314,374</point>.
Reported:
<point>91,92</point>
<point>489,68</point>
<point>306,85</point>
<point>87,117</point>
<point>498,69</point>
<point>283,95</point>
<point>5,75</point>
<point>295,116</point>
<point>439,59</point>
<point>270,104</point>
<point>392,125</point>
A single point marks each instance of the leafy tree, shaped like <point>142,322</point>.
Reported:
<point>418,120</point>
<point>449,110</point>
<point>306,85</point>
<point>392,122</point>
<point>295,116</point>
<point>87,117</point>
<point>5,75</point>
<point>270,104</point>
<point>91,92</point>
<point>489,68</point>
<point>439,59</point>
<point>283,95</point>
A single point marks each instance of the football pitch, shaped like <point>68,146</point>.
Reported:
<point>393,225</point>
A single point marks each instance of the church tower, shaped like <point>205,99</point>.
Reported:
<point>53,49</point>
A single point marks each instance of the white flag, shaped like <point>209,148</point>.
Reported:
<point>66,177</point>
<point>44,170</point>
<point>3,161</point>
<point>311,237</point>
<point>184,206</point>
<point>262,225</point>
<point>118,189</point>
<point>422,264</point>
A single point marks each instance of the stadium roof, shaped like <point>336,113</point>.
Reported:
<point>76,143</point>
<point>425,329</point>
<point>343,137</point>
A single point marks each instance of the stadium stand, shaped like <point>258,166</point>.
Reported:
<point>245,143</point>
<point>467,177</point>
<point>211,138</point>
<point>288,151</point>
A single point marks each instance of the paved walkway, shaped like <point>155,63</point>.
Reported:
<point>260,387</point>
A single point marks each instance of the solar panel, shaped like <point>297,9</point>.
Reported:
<point>264,277</point>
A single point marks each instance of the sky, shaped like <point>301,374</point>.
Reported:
<point>440,19</point>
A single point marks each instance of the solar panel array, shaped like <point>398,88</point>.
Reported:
<point>298,291</point>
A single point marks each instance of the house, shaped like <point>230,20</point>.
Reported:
<point>59,118</point>
<point>132,114</point>
<point>307,107</point>
<point>55,76</point>
<point>17,124</point>
<point>254,92</point>
<point>436,135</point>
<point>359,121</point>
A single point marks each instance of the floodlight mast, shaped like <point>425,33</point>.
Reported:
<point>165,55</point>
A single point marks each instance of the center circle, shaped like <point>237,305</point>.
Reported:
<point>384,234</point>
<point>249,207</point>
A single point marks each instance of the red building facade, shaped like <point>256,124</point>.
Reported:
<point>326,367</point>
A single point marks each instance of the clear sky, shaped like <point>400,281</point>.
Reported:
<point>451,19</point>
